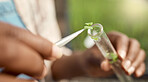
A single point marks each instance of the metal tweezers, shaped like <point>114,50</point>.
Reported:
<point>68,38</point>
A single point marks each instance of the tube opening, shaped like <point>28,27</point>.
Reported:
<point>96,31</point>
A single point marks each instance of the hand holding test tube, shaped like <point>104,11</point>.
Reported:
<point>104,45</point>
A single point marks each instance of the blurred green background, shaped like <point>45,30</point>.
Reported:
<point>126,16</point>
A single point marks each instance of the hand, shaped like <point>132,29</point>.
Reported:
<point>23,52</point>
<point>129,51</point>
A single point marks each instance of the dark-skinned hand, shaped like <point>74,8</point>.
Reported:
<point>129,52</point>
<point>23,52</point>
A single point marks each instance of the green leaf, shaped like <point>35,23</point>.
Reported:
<point>89,24</point>
<point>88,27</point>
<point>95,38</point>
<point>114,57</point>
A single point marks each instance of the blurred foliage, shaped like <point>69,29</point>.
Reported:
<point>121,15</point>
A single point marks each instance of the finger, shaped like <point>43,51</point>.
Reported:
<point>122,46</point>
<point>139,59</point>
<point>47,49</point>
<point>120,42</point>
<point>19,58</point>
<point>44,73</point>
<point>105,66</point>
<point>10,78</point>
<point>140,70</point>
<point>113,35</point>
<point>134,48</point>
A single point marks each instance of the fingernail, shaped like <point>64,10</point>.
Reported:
<point>131,70</point>
<point>44,71</point>
<point>56,52</point>
<point>139,73</point>
<point>43,74</point>
<point>122,54</point>
<point>127,64</point>
<point>105,65</point>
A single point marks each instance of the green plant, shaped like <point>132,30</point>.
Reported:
<point>88,25</point>
<point>112,57</point>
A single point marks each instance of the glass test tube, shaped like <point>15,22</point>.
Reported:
<point>104,45</point>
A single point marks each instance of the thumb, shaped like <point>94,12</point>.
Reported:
<point>56,52</point>
<point>105,65</point>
